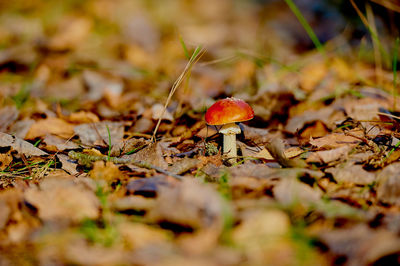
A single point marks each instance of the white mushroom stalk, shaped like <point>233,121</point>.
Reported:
<point>229,148</point>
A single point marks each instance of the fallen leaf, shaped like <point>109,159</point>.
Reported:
<point>19,145</point>
<point>83,117</point>
<point>60,198</point>
<point>151,154</point>
<point>328,155</point>
<point>336,140</point>
<point>359,244</point>
<point>5,160</point>
<point>189,204</point>
<point>99,85</point>
<point>351,174</point>
<point>147,187</point>
<point>388,187</point>
<point>291,191</point>
<point>67,164</point>
<point>55,143</point>
<point>8,115</point>
<point>93,134</point>
<point>137,235</point>
<point>297,122</point>
<point>50,125</point>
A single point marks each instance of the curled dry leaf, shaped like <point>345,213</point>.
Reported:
<point>19,145</point>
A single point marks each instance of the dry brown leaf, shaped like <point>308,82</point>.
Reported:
<point>264,153</point>
<point>183,165</point>
<point>151,154</point>
<point>50,125</point>
<point>315,130</point>
<point>365,108</point>
<point>351,174</point>
<point>328,155</point>
<point>191,204</point>
<point>99,85</point>
<point>291,191</point>
<point>249,169</point>
<point>297,122</point>
<point>147,187</point>
<point>137,235</point>
<point>336,140</point>
<point>21,128</point>
<point>360,244</point>
<point>388,189</point>
<point>60,198</point>
<point>19,145</point>
<point>83,117</point>
<point>258,135</point>
<point>106,171</point>
<point>260,229</point>
<point>5,160</point>
<point>55,143</point>
<point>67,164</point>
<point>93,134</point>
<point>8,115</point>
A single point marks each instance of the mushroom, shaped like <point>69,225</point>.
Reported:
<point>227,112</point>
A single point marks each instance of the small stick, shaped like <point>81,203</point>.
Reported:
<point>86,159</point>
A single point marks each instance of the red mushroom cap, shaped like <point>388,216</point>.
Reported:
<point>228,110</point>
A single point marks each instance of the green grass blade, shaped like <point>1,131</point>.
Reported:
<point>109,143</point>
<point>306,26</point>
<point>185,49</point>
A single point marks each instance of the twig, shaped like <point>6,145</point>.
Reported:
<point>87,159</point>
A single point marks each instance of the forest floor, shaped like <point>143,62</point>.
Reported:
<point>88,177</point>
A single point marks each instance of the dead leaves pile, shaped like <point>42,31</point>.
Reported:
<point>317,182</point>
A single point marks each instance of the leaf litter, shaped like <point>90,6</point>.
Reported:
<point>105,157</point>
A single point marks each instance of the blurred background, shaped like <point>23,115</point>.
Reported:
<point>47,47</point>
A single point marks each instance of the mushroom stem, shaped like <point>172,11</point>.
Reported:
<point>229,148</point>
